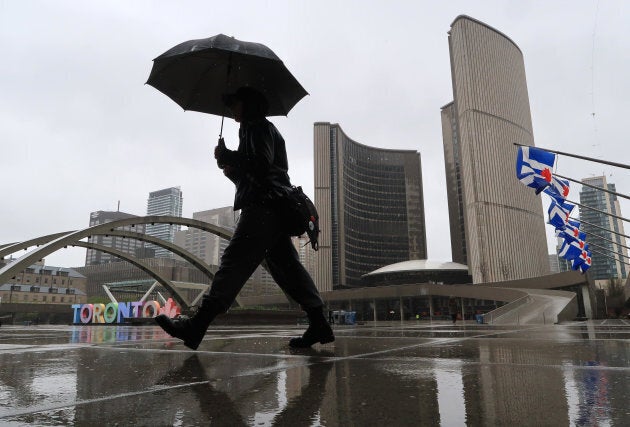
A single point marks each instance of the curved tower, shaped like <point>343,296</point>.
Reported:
<point>497,224</point>
<point>370,204</point>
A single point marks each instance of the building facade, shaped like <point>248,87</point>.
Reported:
<point>43,284</point>
<point>607,247</point>
<point>168,201</point>
<point>120,272</point>
<point>127,245</point>
<point>371,207</point>
<point>207,246</point>
<point>491,213</point>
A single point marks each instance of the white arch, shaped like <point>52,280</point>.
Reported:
<point>156,275</point>
<point>56,241</point>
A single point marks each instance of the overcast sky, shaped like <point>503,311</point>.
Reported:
<point>81,131</point>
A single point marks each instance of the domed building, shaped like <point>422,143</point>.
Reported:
<point>419,271</point>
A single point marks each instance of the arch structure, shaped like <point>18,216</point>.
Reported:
<point>53,242</point>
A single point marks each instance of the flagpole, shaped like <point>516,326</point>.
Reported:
<point>608,256</point>
<point>611,241</point>
<point>619,165</point>
<point>606,249</point>
<point>597,210</point>
<point>597,226</point>
<point>592,186</point>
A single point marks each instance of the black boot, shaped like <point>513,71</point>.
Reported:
<point>319,331</point>
<point>189,329</point>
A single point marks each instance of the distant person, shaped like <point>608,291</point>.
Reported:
<point>258,168</point>
<point>453,309</point>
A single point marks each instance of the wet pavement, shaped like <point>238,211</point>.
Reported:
<point>392,374</point>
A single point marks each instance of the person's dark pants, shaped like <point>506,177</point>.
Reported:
<point>259,236</point>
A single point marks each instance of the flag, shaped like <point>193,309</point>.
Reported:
<point>572,235</point>
<point>582,262</point>
<point>571,228</point>
<point>586,264</point>
<point>533,167</point>
<point>570,251</point>
<point>559,213</point>
<point>558,189</point>
<point>574,223</point>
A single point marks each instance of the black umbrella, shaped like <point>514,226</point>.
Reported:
<point>197,73</point>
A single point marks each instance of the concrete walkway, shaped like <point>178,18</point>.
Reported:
<point>389,373</point>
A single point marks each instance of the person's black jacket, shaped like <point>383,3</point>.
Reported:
<point>259,166</point>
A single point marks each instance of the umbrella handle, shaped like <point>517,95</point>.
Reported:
<point>221,132</point>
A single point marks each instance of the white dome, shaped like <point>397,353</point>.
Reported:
<point>420,265</point>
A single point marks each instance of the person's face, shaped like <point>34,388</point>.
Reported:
<point>237,110</point>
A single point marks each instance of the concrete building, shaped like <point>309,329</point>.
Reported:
<point>210,247</point>
<point>202,244</point>
<point>171,269</point>
<point>371,207</point>
<point>168,201</point>
<point>43,284</point>
<point>308,257</point>
<point>605,245</point>
<point>491,213</point>
<point>128,246</point>
<point>554,263</point>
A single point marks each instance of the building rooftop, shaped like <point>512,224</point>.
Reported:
<point>48,270</point>
<point>420,265</point>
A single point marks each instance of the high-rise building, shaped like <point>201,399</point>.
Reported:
<point>164,202</point>
<point>371,207</point>
<point>554,263</point>
<point>606,263</point>
<point>207,246</point>
<point>126,245</point>
<point>491,213</point>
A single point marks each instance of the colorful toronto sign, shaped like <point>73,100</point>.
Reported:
<point>118,312</point>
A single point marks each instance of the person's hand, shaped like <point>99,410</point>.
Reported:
<point>228,171</point>
<point>219,151</point>
<point>220,148</point>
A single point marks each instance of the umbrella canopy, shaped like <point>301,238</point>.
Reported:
<point>197,73</point>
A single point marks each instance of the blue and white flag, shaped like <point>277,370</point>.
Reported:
<point>572,235</point>
<point>582,262</point>
<point>570,251</point>
<point>559,213</point>
<point>558,189</point>
<point>586,264</point>
<point>533,167</point>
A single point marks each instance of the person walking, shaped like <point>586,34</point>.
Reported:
<point>259,170</point>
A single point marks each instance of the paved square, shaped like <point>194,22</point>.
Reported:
<point>388,373</point>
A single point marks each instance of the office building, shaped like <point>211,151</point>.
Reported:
<point>167,202</point>
<point>126,245</point>
<point>607,248</point>
<point>371,207</point>
<point>554,263</point>
<point>126,276</point>
<point>497,224</point>
<point>207,246</point>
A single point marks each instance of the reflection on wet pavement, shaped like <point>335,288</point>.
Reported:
<point>379,374</point>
